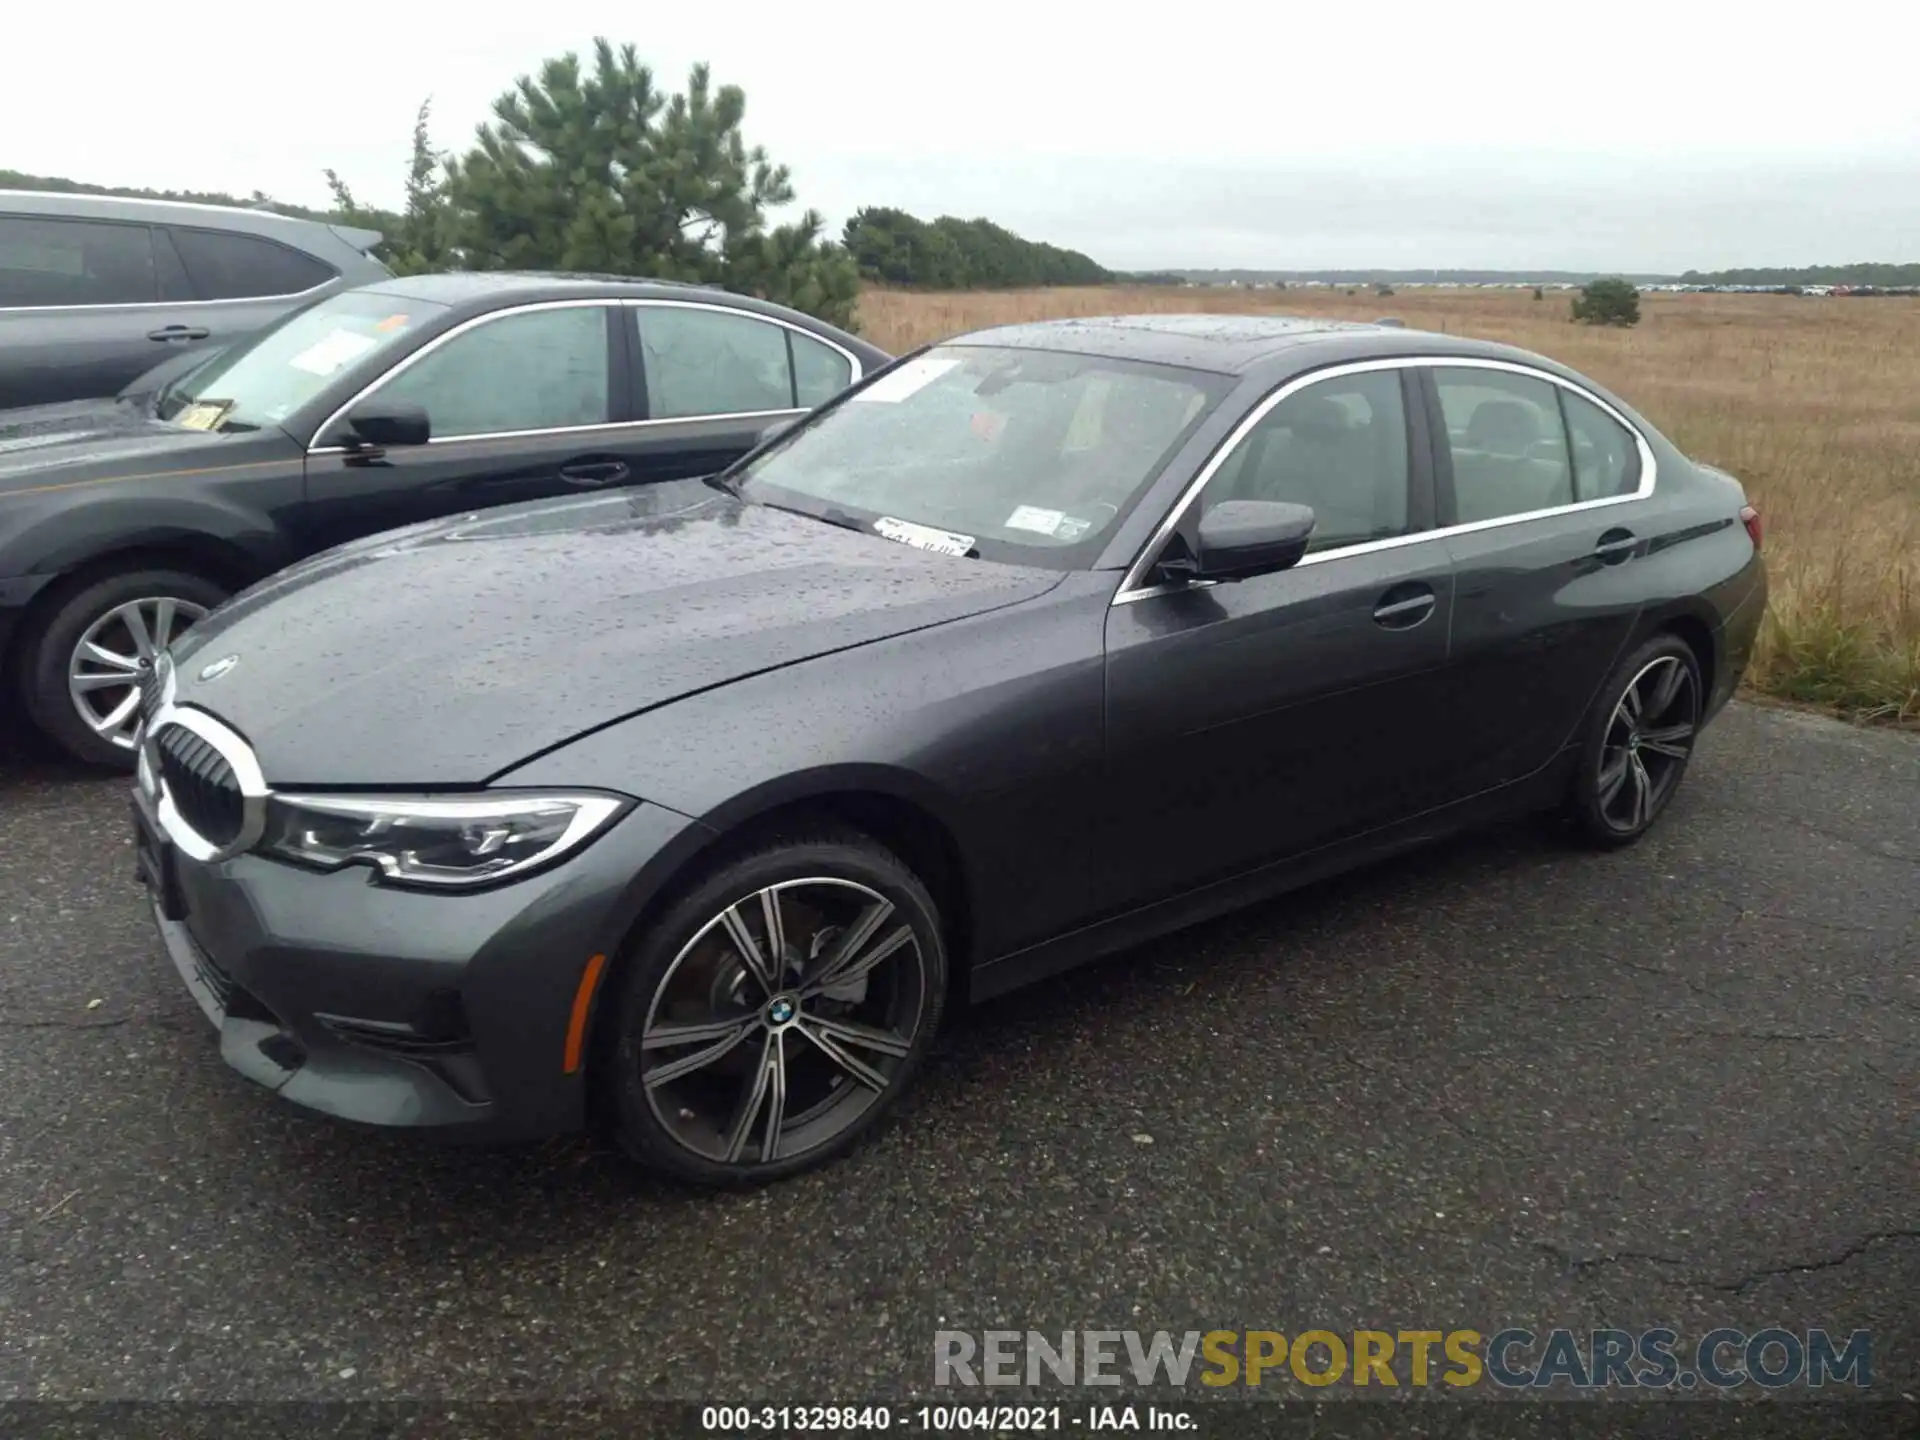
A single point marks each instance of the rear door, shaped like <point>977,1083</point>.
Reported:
<point>1538,481</point>
<point>240,283</point>
<point>77,301</point>
<point>1256,720</point>
<point>710,379</point>
<point>524,404</point>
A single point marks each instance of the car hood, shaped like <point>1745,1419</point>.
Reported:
<point>53,444</point>
<point>446,653</point>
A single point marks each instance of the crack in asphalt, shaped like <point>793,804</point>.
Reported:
<point>1807,1267</point>
<point>1577,1264</point>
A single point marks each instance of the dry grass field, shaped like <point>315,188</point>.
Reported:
<point>1813,403</point>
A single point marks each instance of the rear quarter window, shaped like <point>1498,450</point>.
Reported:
<point>225,266</point>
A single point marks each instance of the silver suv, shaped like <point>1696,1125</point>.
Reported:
<point>97,290</point>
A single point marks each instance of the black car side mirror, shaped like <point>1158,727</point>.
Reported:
<point>388,422</point>
<point>1239,538</point>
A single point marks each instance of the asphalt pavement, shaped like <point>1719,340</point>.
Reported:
<point>1501,1082</point>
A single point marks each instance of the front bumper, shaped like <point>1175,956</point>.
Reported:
<point>390,1007</point>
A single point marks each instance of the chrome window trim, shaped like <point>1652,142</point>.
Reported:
<point>1131,589</point>
<point>623,302</point>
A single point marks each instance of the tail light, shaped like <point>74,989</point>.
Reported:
<point>1750,518</point>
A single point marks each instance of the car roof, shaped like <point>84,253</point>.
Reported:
<point>1229,344</point>
<point>86,205</point>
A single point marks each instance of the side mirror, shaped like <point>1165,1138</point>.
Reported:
<point>1239,538</point>
<point>388,422</point>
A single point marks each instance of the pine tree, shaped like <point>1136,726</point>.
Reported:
<point>598,170</point>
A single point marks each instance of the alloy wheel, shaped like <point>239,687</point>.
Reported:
<point>115,655</point>
<point>1648,740</point>
<point>783,1021</point>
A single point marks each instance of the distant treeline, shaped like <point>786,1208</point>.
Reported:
<point>1865,273</point>
<point>895,248</point>
<point>1411,277</point>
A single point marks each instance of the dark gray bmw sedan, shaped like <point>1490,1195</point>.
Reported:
<point>691,811</point>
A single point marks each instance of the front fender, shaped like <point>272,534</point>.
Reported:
<point>54,539</point>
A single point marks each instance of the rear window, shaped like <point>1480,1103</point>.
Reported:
<point>51,262</point>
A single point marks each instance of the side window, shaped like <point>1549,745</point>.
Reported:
<point>535,370</point>
<point>702,360</point>
<point>1605,459</point>
<point>1339,447</point>
<point>74,262</point>
<point>1508,445</point>
<point>819,371</point>
<point>225,266</point>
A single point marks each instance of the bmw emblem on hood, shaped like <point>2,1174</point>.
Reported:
<point>219,667</point>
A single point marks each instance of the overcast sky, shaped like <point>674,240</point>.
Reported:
<point>1633,136</point>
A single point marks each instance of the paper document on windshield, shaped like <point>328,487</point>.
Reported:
<point>339,348</point>
<point>206,415</point>
<point>897,385</point>
<point>923,537</point>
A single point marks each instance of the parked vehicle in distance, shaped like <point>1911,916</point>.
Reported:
<point>1044,641</point>
<point>97,289</point>
<point>122,522</point>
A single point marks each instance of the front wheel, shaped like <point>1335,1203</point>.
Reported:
<point>776,1011</point>
<point>84,664</point>
<point>1638,743</point>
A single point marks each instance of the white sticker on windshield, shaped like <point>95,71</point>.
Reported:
<point>326,356</point>
<point>897,385</point>
<point>1032,517</point>
<point>923,537</point>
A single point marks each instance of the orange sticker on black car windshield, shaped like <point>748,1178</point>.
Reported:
<point>393,322</point>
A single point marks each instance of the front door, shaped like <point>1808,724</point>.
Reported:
<point>527,405</point>
<point>1259,719</point>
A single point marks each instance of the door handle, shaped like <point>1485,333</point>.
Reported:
<point>179,332</point>
<point>1615,546</point>
<point>1403,607</point>
<point>594,472</point>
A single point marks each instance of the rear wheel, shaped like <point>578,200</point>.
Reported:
<point>1638,743</point>
<point>83,665</point>
<point>776,1012</point>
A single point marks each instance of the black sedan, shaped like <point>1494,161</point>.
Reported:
<point>693,810</point>
<point>124,521</point>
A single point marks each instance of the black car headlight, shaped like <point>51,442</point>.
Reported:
<point>440,841</point>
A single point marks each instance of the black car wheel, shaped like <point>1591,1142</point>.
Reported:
<point>776,1011</point>
<point>1638,745</point>
<point>83,664</point>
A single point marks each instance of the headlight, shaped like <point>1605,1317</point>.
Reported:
<point>431,840</point>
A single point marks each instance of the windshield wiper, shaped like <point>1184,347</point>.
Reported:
<point>831,515</point>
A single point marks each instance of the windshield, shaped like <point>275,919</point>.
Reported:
<point>1030,456</point>
<point>263,382</point>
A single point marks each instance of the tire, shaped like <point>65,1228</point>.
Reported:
<point>738,1053</point>
<point>49,655</point>
<point>1639,739</point>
